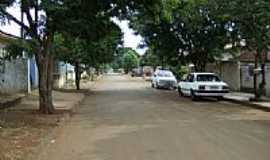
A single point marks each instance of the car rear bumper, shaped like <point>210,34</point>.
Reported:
<point>168,84</point>
<point>205,93</point>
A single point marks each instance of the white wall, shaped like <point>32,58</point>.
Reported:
<point>13,76</point>
<point>228,71</point>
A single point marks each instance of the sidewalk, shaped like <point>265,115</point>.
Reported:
<point>7,101</point>
<point>23,130</point>
<point>245,99</point>
<point>61,100</point>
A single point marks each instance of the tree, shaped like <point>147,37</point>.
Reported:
<point>44,19</point>
<point>180,31</point>
<point>249,22</point>
<point>130,60</point>
<point>150,59</point>
<point>86,52</point>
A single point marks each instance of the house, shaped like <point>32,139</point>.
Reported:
<point>238,71</point>
<point>64,74</point>
<point>17,74</point>
<point>228,68</point>
<point>246,74</point>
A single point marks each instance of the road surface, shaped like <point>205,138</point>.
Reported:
<point>125,119</point>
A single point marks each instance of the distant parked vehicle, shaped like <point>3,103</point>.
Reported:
<point>164,79</point>
<point>136,72</point>
<point>203,85</point>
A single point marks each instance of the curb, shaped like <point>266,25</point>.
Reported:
<point>248,104</point>
<point>11,102</point>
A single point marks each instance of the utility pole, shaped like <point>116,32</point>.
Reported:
<point>25,56</point>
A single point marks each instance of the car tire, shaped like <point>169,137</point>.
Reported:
<point>180,92</point>
<point>193,96</point>
<point>152,85</point>
<point>219,98</point>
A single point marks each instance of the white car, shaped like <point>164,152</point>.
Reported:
<point>203,85</point>
<point>164,79</point>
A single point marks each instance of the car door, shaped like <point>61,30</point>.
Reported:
<point>154,78</point>
<point>190,83</point>
<point>185,85</point>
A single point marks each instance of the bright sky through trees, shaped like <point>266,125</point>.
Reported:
<point>130,39</point>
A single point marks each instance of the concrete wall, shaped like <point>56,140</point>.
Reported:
<point>247,77</point>
<point>13,76</point>
<point>228,71</point>
<point>63,73</point>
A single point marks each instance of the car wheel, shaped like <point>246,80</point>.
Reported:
<point>180,92</point>
<point>152,85</point>
<point>193,96</point>
<point>219,98</point>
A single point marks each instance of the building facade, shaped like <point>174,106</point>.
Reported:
<point>16,74</point>
<point>238,73</point>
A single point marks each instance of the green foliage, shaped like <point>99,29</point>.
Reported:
<point>88,52</point>
<point>250,22</point>
<point>180,31</point>
<point>130,59</point>
<point>150,59</point>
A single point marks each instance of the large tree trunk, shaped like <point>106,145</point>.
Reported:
<point>45,70</point>
<point>77,75</point>
<point>45,63</point>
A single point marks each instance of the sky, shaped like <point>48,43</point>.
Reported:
<point>130,39</point>
<point>11,27</point>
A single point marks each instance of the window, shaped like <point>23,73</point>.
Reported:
<point>208,78</point>
<point>165,74</point>
<point>190,78</point>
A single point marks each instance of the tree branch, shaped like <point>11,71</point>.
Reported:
<point>30,20</point>
<point>14,19</point>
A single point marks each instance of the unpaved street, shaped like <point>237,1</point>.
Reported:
<point>125,119</point>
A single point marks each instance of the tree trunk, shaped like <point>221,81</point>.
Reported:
<point>45,63</point>
<point>263,58</point>
<point>77,75</point>
<point>255,88</point>
<point>45,70</point>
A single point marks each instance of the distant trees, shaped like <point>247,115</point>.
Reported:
<point>126,58</point>
<point>150,59</point>
<point>130,60</point>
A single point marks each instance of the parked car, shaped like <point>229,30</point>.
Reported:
<point>136,72</point>
<point>203,85</point>
<point>164,79</point>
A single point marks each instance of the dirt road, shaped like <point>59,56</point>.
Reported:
<point>125,119</point>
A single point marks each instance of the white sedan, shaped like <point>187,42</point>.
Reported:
<point>203,85</point>
<point>164,79</point>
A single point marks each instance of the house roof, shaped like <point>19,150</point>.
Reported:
<point>247,56</point>
<point>6,37</point>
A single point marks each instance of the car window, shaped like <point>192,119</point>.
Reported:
<point>190,78</point>
<point>208,78</point>
<point>165,74</point>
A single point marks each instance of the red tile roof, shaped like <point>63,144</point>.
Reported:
<point>247,56</point>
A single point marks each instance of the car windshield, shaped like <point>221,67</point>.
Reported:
<point>208,78</point>
<point>165,74</point>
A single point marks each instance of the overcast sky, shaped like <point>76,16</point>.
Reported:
<point>130,39</point>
